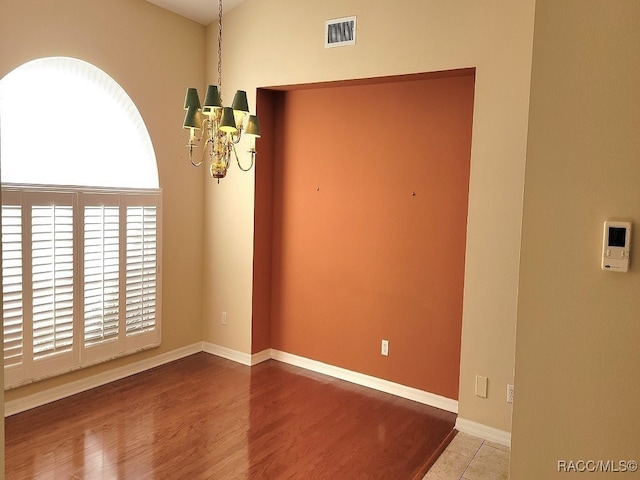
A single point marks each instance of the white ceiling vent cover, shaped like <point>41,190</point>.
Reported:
<point>340,32</point>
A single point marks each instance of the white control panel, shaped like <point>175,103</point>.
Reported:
<point>616,246</point>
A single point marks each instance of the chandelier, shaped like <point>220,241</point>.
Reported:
<point>220,127</point>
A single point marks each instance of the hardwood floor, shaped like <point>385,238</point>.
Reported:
<point>204,417</point>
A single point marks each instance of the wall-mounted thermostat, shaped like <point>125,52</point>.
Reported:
<point>616,246</point>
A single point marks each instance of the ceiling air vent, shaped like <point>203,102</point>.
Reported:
<point>340,32</point>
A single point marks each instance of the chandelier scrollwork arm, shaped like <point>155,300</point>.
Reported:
<point>252,156</point>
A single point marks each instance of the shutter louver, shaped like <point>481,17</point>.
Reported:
<point>12,306</point>
<point>141,271</point>
<point>52,279</point>
<point>101,274</point>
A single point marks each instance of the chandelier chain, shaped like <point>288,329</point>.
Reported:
<point>220,44</point>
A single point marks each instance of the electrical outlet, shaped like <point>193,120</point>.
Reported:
<point>384,348</point>
<point>223,318</point>
<point>509,393</point>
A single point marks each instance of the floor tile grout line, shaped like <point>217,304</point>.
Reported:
<point>472,459</point>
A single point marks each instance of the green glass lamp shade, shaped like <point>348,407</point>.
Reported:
<point>228,123</point>
<point>191,99</point>
<point>192,119</point>
<point>212,99</point>
<point>240,103</point>
<point>253,126</point>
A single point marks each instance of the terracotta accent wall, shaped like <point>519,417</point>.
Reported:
<point>266,102</point>
<point>369,226</point>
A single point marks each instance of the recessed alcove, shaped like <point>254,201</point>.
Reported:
<point>360,224</point>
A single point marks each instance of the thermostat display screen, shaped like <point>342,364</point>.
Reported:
<point>617,236</point>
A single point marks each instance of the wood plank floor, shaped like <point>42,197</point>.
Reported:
<point>204,417</point>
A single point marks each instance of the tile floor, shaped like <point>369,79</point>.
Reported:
<point>471,458</point>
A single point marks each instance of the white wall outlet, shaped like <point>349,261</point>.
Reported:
<point>384,348</point>
<point>481,386</point>
<point>509,393</point>
<point>223,318</point>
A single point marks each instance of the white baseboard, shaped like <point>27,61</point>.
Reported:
<point>51,395</point>
<point>485,432</point>
<point>260,357</point>
<point>376,383</point>
<point>229,354</point>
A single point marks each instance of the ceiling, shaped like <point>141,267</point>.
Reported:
<point>201,11</point>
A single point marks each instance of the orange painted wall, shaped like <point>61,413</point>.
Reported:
<point>266,102</point>
<point>369,209</point>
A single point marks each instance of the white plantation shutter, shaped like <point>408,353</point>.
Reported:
<point>12,306</point>
<point>52,279</point>
<point>101,273</point>
<point>141,286</point>
<point>81,277</point>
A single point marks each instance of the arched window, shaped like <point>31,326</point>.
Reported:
<point>66,122</point>
<point>80,221</point>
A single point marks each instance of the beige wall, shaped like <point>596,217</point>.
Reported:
<point>280,42</point>
<point>577,355</point>
<point>153,55</point>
